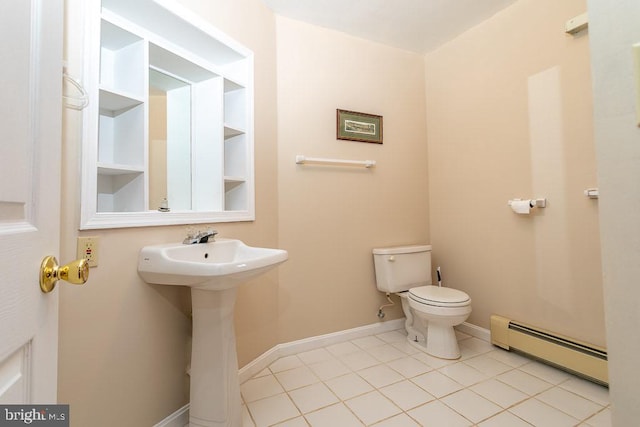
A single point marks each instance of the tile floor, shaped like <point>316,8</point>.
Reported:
<point>382,380</point>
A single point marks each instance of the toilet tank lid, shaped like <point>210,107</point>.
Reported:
<point>402,250</point>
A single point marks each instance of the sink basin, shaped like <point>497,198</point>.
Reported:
<point>212,271</point>
<point>210,266</point>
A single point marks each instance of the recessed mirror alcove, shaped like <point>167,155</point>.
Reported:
<point>170,117</point>
<point>169,141</point>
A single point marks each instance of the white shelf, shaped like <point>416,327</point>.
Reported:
<point>210,73</point>
<point>121,136</point>
<point>120,192</point>
<point>230,85</point>
<point>235,109</point>
<point>113,37</point>
<point>114,169</point>
<point>230,132</point>
<point>122,59</point>
<point>116,101</point>
<point>234,180</point>
<point>235,195</point>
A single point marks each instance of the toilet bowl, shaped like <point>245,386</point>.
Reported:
<point>440,309</point>
<point>431,311</point>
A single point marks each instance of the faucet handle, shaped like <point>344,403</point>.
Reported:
<point>192,231</point>
<point>199,236</point>
<point>192,236</point>
<point>203,236</point>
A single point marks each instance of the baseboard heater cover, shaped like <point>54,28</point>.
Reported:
<point>582,359</point>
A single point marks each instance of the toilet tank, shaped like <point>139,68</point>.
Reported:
<point>402,268</point>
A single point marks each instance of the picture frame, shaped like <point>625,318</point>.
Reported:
<point>361,127</point>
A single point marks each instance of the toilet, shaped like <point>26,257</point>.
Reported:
<point>431,311</point>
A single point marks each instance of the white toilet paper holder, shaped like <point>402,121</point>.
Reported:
<point>534,203</point>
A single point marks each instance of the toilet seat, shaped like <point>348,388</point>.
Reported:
<point>439,297</point>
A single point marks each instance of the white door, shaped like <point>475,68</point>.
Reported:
<point>30,151</point>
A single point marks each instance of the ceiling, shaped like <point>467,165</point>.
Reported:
<point>415,25</point>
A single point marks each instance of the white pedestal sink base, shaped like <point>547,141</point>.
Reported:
<point>215,387</point>
<point>212,270</point>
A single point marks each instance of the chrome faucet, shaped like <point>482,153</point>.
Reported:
<point>200,237</point>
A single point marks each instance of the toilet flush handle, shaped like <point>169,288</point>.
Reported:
<point>392,258</point>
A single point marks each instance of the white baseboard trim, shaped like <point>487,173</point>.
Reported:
<point>475,331</point>
<point>180,418</point>
<point>312,343</point>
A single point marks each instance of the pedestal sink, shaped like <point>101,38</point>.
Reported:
<point>212,271</point>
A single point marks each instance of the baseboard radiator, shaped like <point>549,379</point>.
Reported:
<point>579,358</point>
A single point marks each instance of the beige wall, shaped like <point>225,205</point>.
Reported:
<point>613,29</point>
<point>509,115</point>
<point>123,343</point>
<point>331,217</point>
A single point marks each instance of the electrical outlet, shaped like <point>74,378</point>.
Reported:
<point>88,249</point>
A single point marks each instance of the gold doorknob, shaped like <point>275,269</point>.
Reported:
<point>76,272</point>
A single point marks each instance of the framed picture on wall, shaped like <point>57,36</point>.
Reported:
<point>362,127</point>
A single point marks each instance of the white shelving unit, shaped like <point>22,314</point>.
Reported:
<point>130,39</point>
<point>235,145</point>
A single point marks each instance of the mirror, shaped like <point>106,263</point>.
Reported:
<point>169,142</point>
<point>170,116</point>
